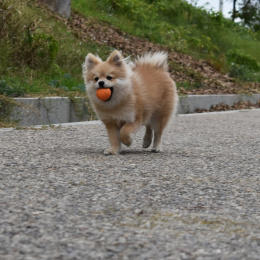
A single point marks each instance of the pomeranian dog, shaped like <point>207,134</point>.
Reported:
<point>140,93</point>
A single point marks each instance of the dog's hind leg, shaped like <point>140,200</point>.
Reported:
<point>158,125</point>
<point>157,147</point>
<point>148,136</point>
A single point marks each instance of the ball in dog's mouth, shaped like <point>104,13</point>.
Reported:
<point>104,94</point>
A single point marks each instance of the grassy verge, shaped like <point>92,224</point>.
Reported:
<point>38,55</point>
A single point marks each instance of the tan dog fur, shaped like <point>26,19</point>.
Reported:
<point>143,94</point>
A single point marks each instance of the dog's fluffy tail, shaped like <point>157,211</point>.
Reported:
<point>159,60</point>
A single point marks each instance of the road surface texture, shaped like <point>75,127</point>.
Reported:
<point>61,198</point>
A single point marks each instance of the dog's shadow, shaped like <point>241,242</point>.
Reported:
<point>91,151</point>
<point>128,152</point>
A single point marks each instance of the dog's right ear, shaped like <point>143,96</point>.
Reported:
<point>91,61</point>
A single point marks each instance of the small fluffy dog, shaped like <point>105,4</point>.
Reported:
<point>142,93</point>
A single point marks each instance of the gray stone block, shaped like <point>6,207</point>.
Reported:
<point>63,7</point>
<point>51,110</point>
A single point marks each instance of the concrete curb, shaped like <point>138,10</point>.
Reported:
<point>57,110</point>
<point>190,103</point>
<point>49,110</point>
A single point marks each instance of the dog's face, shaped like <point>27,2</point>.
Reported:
<point>112,73</point>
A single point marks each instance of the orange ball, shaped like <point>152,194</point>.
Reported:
<point>103,93</point>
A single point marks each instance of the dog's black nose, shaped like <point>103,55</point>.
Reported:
<point>101,84</point>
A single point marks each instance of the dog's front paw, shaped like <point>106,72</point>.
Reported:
<point>126,139</point>
<point>157,149</point>
<point>111,151</point>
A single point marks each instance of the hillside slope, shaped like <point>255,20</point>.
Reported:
<point>183,68</point>
<point>41,53</point>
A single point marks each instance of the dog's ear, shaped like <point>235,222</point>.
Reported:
<point>91,61</point>
<point>116,59</point>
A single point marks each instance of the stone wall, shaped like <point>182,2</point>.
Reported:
<point>60,6</point>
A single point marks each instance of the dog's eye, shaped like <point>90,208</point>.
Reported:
<point>96,78</point>
<point>109,77</point>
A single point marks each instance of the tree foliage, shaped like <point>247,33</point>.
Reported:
<point>248,11</point>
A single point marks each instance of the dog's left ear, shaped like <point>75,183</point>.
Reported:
<point>116,59</point>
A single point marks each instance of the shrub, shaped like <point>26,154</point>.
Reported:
<point>12,91</point>
<point>239,58</point>
<point>243,66</point>
<point>67,83</point>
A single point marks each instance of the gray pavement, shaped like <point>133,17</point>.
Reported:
<point>61,198</point>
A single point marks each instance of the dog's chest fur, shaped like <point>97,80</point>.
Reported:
<point>126,114</point>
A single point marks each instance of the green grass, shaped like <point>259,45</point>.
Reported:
<point>38,54</point>
<point>180,26</point>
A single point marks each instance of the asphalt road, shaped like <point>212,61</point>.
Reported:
<point>61,198</point>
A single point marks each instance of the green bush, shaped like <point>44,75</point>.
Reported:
<point>239,58</point>
<point>11,91</point>
<point>243,66</point>
<point>67,83</point>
